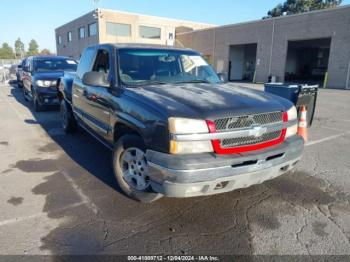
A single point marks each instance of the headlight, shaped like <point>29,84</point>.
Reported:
<point>46,83</point>
<point>292,114</point>
<point>292,117</point>
<point>189,126</point>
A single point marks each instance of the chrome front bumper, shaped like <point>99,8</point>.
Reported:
<point>207,174</point>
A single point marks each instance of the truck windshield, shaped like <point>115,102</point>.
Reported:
<point>49,64</point>
<point>153,66</point>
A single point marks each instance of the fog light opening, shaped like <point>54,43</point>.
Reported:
<point>284,169</point>
<point>221,185</point>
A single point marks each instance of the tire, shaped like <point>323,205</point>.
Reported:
<point>37,106</point>
<point>25,94</point>
<point>130,186</point>
<point>69,124</point>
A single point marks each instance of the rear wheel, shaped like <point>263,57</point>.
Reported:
<point>68,121</point>
<point>131,169</point>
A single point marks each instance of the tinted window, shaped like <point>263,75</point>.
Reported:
<point>81,32</point>
<point>118,29</point>
<point>92,29</point>
<point>86,61</point>
<point>102,62</point>
<point>153,66</point>
<point>150,32</point>
<point>49,64</point>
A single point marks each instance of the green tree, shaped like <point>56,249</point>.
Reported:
<point>45,51</point>
<point>19,48</point>
<point>291,7</point>
<point>6,51</point>
<point>33,48</point>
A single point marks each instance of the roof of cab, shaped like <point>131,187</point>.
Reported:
<point>50,57</point>
<point>150,46</point>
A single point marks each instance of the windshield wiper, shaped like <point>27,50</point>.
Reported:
<point>194,81</point>
<point>157,83</point>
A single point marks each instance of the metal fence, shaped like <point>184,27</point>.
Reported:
<point>9,62</point>
<point>5,73</point>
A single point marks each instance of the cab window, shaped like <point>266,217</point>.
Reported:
<point>102,62</point>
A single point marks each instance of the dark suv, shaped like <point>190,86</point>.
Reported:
<point>40,74</point>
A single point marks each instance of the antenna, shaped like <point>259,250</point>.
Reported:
<point>95,4</point>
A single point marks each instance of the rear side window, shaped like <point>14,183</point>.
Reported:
<point>86,61</point>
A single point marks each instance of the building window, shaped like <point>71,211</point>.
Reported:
<point>69,36</point>
<point>118,29</point>
<point>59,39</point>
<point>92,29</point>
<point>81,32</point>
<point>150,32</point>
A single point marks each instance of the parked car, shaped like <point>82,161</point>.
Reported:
<point>13,69</point>
<point>19,73</point>
<point>174,127</point>
<point>40,79</point>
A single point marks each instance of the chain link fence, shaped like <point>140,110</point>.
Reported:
<point>6,62</point>
<point>5,69</point>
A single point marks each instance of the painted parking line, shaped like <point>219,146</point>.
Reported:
<point>311,143</point>
<point>80,193</point>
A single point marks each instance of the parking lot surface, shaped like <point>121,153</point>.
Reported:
<point>58,196</point>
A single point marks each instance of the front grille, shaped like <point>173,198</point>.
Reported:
<point>250,140</point>
<point>231,123</point>
<point>249,121</point>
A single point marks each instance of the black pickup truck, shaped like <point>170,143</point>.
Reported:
<point>174,127</point>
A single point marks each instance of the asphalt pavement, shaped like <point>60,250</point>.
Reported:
<point>58,196</point>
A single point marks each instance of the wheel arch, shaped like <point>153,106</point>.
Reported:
<point>120,129</point>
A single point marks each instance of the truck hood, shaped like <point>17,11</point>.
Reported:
<point>50,75</point>
<point>208,101</point>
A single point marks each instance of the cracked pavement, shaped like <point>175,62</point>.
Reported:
<point>58,196</point>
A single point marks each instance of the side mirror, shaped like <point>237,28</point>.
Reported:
<point>95,79</point>
<point>222,77</point>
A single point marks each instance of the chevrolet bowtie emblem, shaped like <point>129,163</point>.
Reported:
<point>258,131</point>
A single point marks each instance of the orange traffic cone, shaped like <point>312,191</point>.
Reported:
<point>302,125</point>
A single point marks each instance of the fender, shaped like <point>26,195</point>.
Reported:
<point>64,86</point>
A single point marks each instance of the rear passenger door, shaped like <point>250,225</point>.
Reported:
<point>27,75</point>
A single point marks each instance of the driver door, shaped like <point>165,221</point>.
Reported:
<point>96,98</point>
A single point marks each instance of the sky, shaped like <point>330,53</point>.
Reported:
<point>37,19</point>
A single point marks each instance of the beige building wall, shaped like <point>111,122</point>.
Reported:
<point>272,36</point>
<point>74,48</point>
<point>135,20</point>
<point>103,16</point>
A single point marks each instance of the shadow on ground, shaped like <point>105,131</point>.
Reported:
<point>218,224</point>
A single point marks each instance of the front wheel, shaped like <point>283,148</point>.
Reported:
<point>36,104</point>
<point>25,94</point>
<point>131,169</point>
<point>68,121</point>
